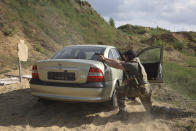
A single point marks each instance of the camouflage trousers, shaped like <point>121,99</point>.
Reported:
<point>143,92</point>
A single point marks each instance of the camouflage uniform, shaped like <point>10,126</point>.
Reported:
<point>136,85</point>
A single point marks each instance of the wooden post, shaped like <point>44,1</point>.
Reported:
<point>19,67</point>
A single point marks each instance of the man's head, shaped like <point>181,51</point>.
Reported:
<point>129,55</point>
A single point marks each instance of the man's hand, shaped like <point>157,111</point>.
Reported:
<point>113,63</point>
<point>101,58</point>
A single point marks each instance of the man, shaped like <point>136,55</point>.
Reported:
<point>136,83</point>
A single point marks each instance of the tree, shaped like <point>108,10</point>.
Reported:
<point>111,22</point>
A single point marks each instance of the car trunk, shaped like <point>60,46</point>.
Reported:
<point>66,70</point>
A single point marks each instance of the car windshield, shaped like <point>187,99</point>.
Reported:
<point>79,52</point>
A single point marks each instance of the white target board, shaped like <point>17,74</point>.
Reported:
<point>22,51</point>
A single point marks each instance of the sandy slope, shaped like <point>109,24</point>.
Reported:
<point>21,111</point>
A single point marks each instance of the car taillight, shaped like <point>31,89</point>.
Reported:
<point>95,75</point>
<point>35,72</point>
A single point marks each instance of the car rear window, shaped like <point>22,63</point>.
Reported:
<point>79,52</point>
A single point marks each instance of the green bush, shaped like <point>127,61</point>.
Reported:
<point>8,31</point>
<point>139,29</point>
<point>179,45</point>
<point>39,48</point>
<point>132,30</point>
<point>111,22</point>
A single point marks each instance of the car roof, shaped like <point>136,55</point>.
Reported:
<point>105,46</point>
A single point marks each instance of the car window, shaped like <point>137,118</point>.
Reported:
<point>116,55</point>
<point>79,52</point>
<point>151,55</point>
<point>110,55</point>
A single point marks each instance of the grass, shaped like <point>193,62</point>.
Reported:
<point>5,71</point>
<point>63,22</point>
<point>132,30</point>
<point>159,43</point>
<point>158,31</point>
<point>57,23</point>
<point>191,61</point>
<point>180,78</point>
<point>27,64</point>
<point>8,31</point>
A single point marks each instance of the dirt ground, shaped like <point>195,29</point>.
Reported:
<point>19,110</point>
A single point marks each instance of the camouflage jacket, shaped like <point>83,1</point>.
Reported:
<point>135,73</point>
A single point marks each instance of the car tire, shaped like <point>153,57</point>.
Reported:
<point>45,101</point>
<point>113,103</point>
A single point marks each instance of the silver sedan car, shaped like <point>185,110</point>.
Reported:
<point>75,74</point>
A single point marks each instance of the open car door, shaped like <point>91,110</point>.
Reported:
<point>152,60</point>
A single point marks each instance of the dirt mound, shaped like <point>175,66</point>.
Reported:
<point>187,35</point>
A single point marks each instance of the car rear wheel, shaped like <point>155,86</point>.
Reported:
<point>113,103</point>
<point>45,101</point>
